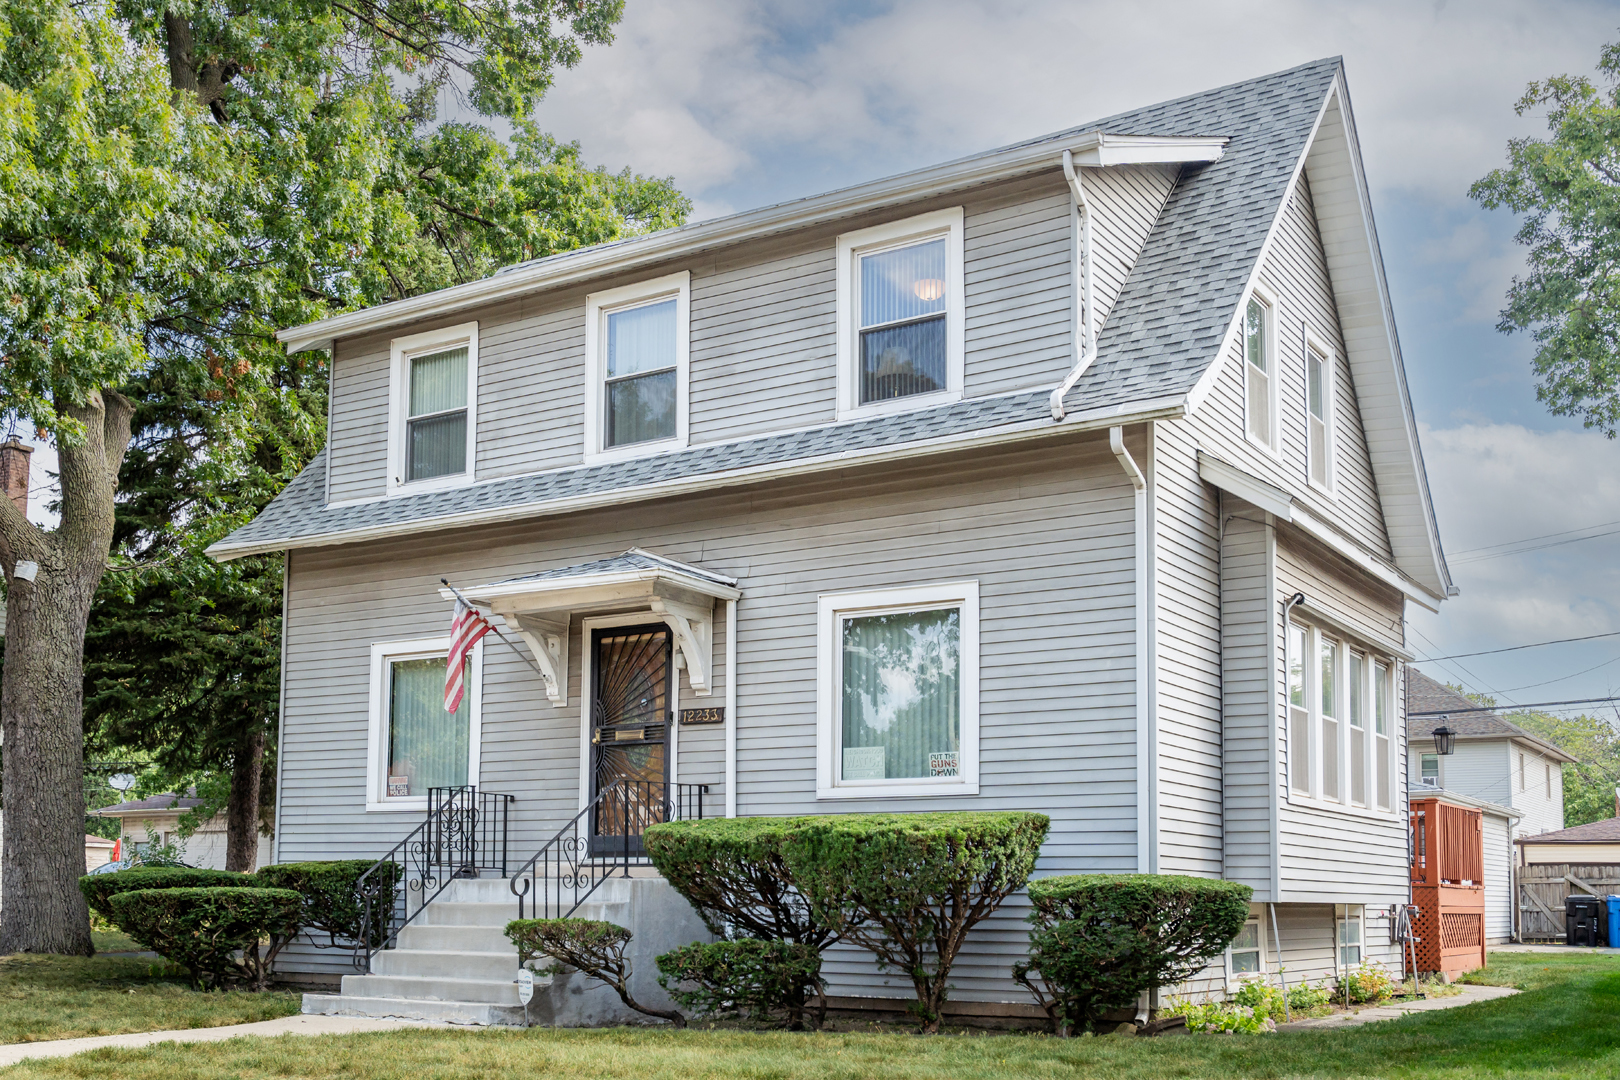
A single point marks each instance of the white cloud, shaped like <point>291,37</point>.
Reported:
<point>746,92</point>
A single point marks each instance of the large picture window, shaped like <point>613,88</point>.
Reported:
<point>898,692</point>
<point>900,298</point>
<point>414,743</point>
<point>434,388</point>
<point>637,344</point>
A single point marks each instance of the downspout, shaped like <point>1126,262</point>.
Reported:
<point>281,707</point>
<point>1085,343</point>
<point>731,708</point>
<point>1145,734</point>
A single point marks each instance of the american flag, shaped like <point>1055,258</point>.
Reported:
<point>466,630</point>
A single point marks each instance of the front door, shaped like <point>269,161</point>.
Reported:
<point>630,718</point>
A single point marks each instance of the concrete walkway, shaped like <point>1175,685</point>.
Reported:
<point>287,1025</point>
<point>1470,995</point>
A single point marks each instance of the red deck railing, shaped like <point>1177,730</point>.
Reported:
<point>1448,886</point>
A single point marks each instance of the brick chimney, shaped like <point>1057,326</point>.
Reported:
<point>14,459</point>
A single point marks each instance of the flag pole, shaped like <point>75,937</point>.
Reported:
<point>529,659</point>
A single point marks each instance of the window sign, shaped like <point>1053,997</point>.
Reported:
<point>864,763</point>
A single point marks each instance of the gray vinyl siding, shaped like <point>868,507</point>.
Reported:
<point>1187,585</point>
<point>1478,768</point>
<point>1326,854</point>
<point>763,329</point>
<point>1498,878</point>
<point>1250,750</point>
<point>1541,814</point>
<point>1295,270</point>
<point>1046,531</point>
<point>1307,949</point>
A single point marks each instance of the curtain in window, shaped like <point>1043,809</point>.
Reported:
<point>436,435</point>
<point>426,745</point>
<point>901,695</point>
<point>903,321</point>
<point>640,370</point>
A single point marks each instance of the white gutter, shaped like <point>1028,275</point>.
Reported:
<point>1085,330</point>
<point>731,708</point>
<point>1146,715</point>
<point>1090,148</point>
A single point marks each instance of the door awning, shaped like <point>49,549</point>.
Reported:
<point>540,606</point>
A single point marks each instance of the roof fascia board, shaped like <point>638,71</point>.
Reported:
<point>1542,746</point>
<point>1433,557</point>
<point>1171,408</point>
<point>502,589</point>
<point>1493,809</point>
<point>754,224</point>
<point>1233,480</point>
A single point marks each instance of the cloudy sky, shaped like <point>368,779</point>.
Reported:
<point>750,102</point>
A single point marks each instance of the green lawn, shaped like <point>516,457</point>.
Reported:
<point>115,941</point>
<point>1567,1024</point>
<point>65,997</point>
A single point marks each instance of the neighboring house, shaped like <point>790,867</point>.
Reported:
<point>156,819</point>
<point>1594,843</point>
<point>98,851</point>
<point>1494,760</point>
<point>930,494</point>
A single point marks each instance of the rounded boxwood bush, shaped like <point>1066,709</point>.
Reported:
<point>99,889</point>
<point>754,978</point>
<point>223,936</point>
<point>732,872</point>
<point>909,887</point>
<point>332,900</point>
<point>1100,940</point>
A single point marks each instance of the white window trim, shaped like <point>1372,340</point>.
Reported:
<point>597,308</point>
<point>382,654</point>
<point>1268,300</point>
<point>1439,765</point>
<point>1330,374</point>
<point>1371,656</point>
<point>1235,979</point>
<point>830,606</point>
<point>850,246</point>
<point>401,350</point>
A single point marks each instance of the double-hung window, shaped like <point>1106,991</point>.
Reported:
<point>414,743</point>
<point>1429,769</point>
<point>637,346</point>
<point>434,389</point>
<point>900,314</point>
<point>1340,717</point>
<point>897,692</point>
<point>1349,917</point>
<point>1260,370</point>
<point>1319,413</point>
<point>1245,955</point>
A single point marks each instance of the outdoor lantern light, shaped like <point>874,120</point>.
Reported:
<point>1445,740</point>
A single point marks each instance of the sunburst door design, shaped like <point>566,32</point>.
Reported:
<point>629,732</point>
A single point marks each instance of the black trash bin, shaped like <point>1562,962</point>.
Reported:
<point>1584,921</point>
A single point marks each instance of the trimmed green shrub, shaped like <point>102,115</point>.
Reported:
<point>909,887</point>
<point>332,900</point>
<point>205,929</point>
<point>1307,998</point>
<point>99,889</point>
<point>1100,940</point>
<point>753,978</point>
<point>589,945</point>
<point>731,871</point>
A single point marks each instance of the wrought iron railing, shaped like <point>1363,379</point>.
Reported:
<point>602,841</point>
<point>464,835</point>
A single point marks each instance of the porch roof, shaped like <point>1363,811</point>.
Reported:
<point>634,565</point>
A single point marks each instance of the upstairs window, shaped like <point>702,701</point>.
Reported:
<point>433,388</point>
<point>900,299</point>
<point>1430,767</point>
<point>1358,729</point>
<point>1328,684</point>
<point>1381,727</point>
<point>1259,371</point>
<point>1319,414</point>
<point>637,346</point>
<point>1547,765</point>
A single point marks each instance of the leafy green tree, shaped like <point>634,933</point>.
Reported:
<point>1567,188</point>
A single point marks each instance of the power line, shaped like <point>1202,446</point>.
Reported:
<point>1528,539</point>
<point>1516,648</point>
<point>1520,707</point>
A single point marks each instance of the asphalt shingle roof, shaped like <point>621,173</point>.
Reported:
<point>168,800</point>
<point>1164,330</point>
<point>1592,832</point>
<point>1424,695</point>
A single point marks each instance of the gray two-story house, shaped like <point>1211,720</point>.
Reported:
<point>1078,476</point>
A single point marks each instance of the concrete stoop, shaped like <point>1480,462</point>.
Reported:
<point>454,963</point>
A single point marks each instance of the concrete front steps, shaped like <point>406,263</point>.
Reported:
<point>453,962</point>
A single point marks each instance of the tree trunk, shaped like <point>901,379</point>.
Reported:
<point>51,580</point>
<point>242,812</point>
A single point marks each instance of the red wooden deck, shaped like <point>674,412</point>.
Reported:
<point>1448,887</point>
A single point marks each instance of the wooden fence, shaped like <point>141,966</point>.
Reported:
<point>1543,888</point>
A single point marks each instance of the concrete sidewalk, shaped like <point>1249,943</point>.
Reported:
<point>288,1025</point>
<point>1470,995</point>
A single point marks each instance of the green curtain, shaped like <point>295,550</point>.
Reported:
<point>425,744</point>
<point>902,699</point>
